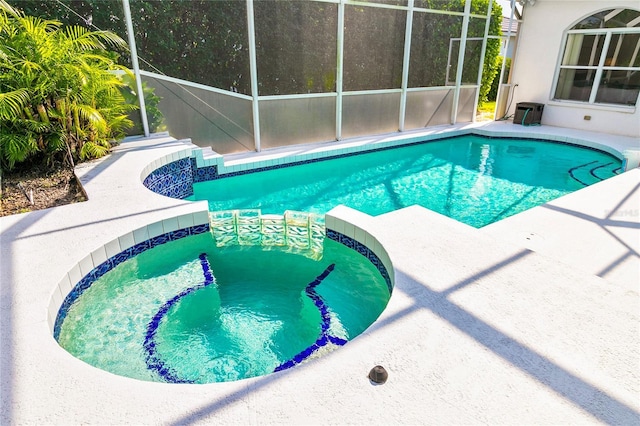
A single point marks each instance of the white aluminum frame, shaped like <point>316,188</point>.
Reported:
<point>339,92</point>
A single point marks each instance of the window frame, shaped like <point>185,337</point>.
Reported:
<point>600,68</point>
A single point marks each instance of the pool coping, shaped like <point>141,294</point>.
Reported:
<point>41,383</point>
<point>235,164</point>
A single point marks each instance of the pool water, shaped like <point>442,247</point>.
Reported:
<point>473,179</point>
<point>190,312</point>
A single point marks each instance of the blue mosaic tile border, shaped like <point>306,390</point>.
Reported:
<point>331,157</point>
<point>385,148</point>
<point>173,180</point>
<point>114,261</point>
<point>203,174</point>
<point>176,179</point>
<point>325,338</point>
<point>363,250</point>
<point>153,360</point>
<point>155,363</point>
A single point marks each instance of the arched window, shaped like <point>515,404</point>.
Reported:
<point>601,60</point>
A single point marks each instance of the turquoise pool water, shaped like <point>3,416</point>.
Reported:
<point>473,179</point>
<point>235,303</point>
<point>188,311</point>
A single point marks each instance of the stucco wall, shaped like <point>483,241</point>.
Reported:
<point>537,56</point>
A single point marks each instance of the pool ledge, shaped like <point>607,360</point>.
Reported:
<point>174,174</point>
<point>480,328</point>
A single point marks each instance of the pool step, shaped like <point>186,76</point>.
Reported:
<point>594,171</point>
<point>207,152</point>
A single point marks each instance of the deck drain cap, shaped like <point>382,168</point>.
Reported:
<point>378,375</point>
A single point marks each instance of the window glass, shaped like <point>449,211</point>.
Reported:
<point>575,84</point>
<point>587,70</point>
<point>619,87</point>
<point>594,21</point>
<point>623,50</point>
<point>620,18</point>
<point>583,49</point>
<point>610,18</point>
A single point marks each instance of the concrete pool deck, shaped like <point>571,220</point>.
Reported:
<point>531,320</point>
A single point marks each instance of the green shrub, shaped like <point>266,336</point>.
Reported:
<point>59,97</point>
<point>493,92</point>
<point>155,118</point>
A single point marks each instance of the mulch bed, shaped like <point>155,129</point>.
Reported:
<point>38,188</point>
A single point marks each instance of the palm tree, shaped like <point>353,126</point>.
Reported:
<point>59,95</point>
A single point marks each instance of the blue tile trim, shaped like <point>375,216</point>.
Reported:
<point>363,250</point>
<point>176,179</point>
<point>593,170</point>
<point>97,272</point>
<point>202,174</point>
<point>573,169</point>
<point>214,176</point>
<point>324,337</point>
<point>153,360</point>
<point>330,157</point>
<point>173,180</point>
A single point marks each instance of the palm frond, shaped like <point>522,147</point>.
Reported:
<point>55,142</point>
<point>83,39</point>
<point>93,150</point>
<point>120,123</point>
<point>6,8</point>
<point>34,126</point>
<point>16,147</point>
<point>112,39</point>
<point>92,116</point>
<point>12,103</point>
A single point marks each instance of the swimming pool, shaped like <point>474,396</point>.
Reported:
<point>178,310</point>
<point>198,310</point>
<point>474,179</point>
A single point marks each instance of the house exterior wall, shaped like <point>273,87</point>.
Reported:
<point>535,65</point>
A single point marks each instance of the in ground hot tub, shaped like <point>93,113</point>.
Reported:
<point>237,297</point>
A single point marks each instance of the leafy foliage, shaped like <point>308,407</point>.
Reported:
<point>203,41</point>
<point>206,41</point>
<point>58,94</point>
<point>155,117</point>
<point>493,93</point>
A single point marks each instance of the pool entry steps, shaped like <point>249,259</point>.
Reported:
<point>326,339</point>
<point>585,173</point>
<point>296,232</point>
<point>174,175</point>
<point>152,358</point>
<point>325,342</point>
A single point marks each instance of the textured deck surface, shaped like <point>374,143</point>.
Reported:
<point>535,319</point>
